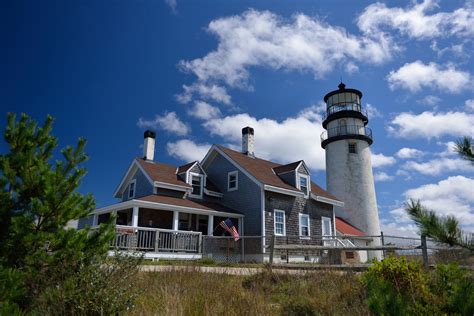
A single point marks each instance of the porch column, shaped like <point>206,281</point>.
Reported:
<point>95,218</point>
<point>175,220</point>
<point>210,225</point>
<point>240,226</point>
<point>135,216</point>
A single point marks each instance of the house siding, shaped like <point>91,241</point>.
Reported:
<point>245,200</point>
<point>143,187</point>
<point>172,193</point>
<point>292,207</point>
<point>302,170</point>
<point>289,177</point>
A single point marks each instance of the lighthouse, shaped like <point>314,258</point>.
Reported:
<point>347,141</point>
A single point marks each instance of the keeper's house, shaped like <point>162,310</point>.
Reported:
<point>166,210</point>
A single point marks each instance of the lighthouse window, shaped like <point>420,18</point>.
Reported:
<point>352,148</point>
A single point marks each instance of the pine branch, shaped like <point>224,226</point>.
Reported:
<point>464,148</point>
<point>444,229</point>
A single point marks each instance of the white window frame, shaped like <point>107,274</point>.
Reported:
<point>308,184</point>
<point>275,222</point>
<point>301,215</point>
<point>191,174</point>
<point>327,239</point>
<point>134,182</point>
<point>236,174</point>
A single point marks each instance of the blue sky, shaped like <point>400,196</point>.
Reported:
<point>196,72</point>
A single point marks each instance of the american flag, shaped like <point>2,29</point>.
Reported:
<point>230,228</point>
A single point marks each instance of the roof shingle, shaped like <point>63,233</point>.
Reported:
<point>161,172</point>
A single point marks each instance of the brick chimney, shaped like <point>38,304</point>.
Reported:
<point>149,145</point>
<point>247,141</point>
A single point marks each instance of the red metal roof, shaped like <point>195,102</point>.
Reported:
<point>347,229</point>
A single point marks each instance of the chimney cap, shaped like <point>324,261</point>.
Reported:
<point>247,130</point>
<point>150,134</point>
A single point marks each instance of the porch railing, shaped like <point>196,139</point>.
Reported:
<point>156,239</point>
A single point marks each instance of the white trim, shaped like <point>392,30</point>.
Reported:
<point>175,220</point>
<point>300,215</point>
<point>324,218</point>
<point>191,167</point>
<point>262,205</point>
<point>275,211</point>
<point>201,189</point>
<point>135,211</point>
<point>210,225</point>
<point>308,183</point>
<point>134,182</point>
<point>327,200</point>
<point>229,174</point>
<point>213,193</point>
<point>162,206</point>
<point>170,186</point>
<point>282,190</point>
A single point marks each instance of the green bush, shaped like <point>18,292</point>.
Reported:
<point>398,287</point>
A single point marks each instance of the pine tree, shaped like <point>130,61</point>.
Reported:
<point>38,197</point>
<point>465,148</point>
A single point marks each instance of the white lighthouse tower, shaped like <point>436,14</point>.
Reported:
<point>349,175</point>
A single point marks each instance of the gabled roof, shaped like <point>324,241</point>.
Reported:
<point>186,167</point>
<point>161,172</point>
<point>263,171</point>
<point>347,229</point>
<point>285,168</point>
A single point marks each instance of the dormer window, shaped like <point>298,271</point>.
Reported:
<point>131,189</point>
<point>303,184</point>
<point>197,183</point>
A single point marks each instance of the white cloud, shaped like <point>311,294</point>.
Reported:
<point>204,111</point>
<point>469,105</point>
<point>451,196</point>
<point>432,124</point>
<point>416,75</point>
<point>416,22</point>
<point>380,160</point>
<point>204,91</point>
<point>382,176</point>
<point>431,100</point>
<point>285,141</point>
<point>187,150</point>
<point>262,38</point>
<point>372,111</point>
<point>408,153</point>
<point>173,4</point>
<point>437,166</point>
<point>169,122</point>
<point>351,68</point>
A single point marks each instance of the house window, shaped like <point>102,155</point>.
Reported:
<point>232,181</point>
<point>131,189</point>
<point>304,225</point>
<point>352,148</point>
<point>279,219</point>
<point>196,182</point>
<point>303,184</point>
<point>326,226</point>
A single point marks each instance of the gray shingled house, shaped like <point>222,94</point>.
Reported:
<point>165,210</point>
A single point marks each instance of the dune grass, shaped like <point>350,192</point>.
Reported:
<point>195,293</point>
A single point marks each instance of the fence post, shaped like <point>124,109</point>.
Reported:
<point>382,240</point>
<point>272,249</point>
<point>424,251</point>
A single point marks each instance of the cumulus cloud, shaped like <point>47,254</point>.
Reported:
<point>382,176</point>
<point>204,111</point>
<point>438,166</point>
<point>187,150</point>
<point>169,122</point>
<point>431,124</point>
<point>205,91</point>
<point>417,75</point>
<point>173,4</point>
<point>285,141</point>
<point>415,21</point>
<point>451,196</point>
<point>408,153</point>
<point>372,111</point>
<point>262,38</point>
<point>380,160</point>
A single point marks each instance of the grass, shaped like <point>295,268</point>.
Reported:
<point>202,263</point>
<point>194,293</point>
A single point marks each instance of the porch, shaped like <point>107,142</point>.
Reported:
<point>164,230</point>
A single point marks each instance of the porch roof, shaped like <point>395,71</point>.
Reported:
<point>173,204</point>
